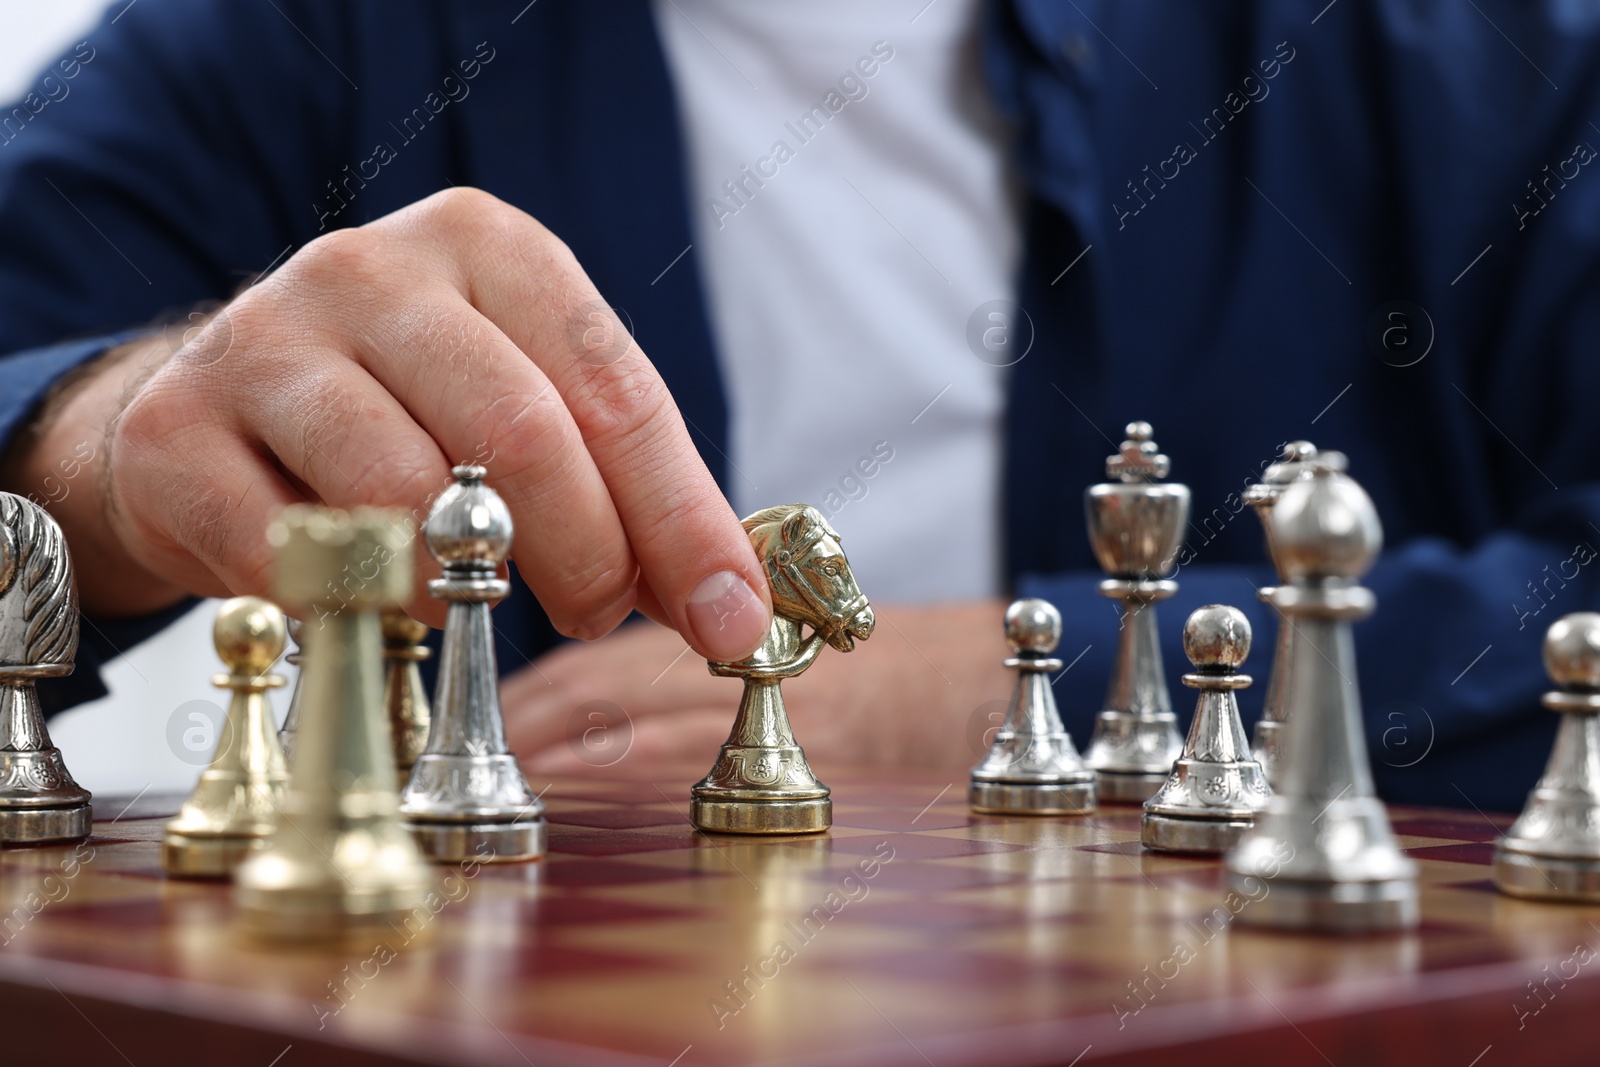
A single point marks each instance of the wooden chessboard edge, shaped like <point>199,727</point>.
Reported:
<point>100,1001</point>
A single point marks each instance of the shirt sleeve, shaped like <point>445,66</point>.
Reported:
<point>156,165</point>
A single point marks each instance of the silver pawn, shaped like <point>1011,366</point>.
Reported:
<point>1032,768</point>
<point>1295,463</point>
<point>1136,525</point>
<point>291,721</point>
<point>1552,851</point>
<point>1216,788</point>
<point>39,801</point>
<point>1324,843</point>
<point>467,798</point>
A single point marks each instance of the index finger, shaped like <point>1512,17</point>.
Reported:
<point>691,550</point>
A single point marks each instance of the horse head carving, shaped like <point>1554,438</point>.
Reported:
<point>38,602</point>
<point>809,574</point>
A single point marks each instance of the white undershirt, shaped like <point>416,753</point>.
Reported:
<point>840,288</point>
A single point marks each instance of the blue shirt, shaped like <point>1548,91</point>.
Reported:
<point>1375,226</point>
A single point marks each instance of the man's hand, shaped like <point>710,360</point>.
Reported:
<point>358,373</point>
<point>927,690</point>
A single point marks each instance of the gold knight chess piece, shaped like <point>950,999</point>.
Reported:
<point>761,783</point>
<point>234,806</point>
<point>39,801</point>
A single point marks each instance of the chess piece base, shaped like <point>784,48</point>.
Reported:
<point>1032,798</point>
<point>188,856</point>
<point>327,913</point>
<point>488,842</point>
<point>1333,907</point>
<point>1168,833</point>
<point>1115,787</point>
<point>39,826</point>
<point>1519,874</point>
<point>809,816</point>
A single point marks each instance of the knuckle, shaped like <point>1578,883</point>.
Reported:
<point>677,512</point>
<point>627,408</point>
<point>199,516</point>
<point>409,476</point>
<point>326,417</point>
<point>465,209</point>
<point>459,199</point>
<point>470,215</point>
<point>254,574</point>
<point>348,257</point>
<point>532,442</point>
<point>156,418</point>
<point>590,590</point>
<point>332,442</point>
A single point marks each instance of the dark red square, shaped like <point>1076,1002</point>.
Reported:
<point>614,872</point>
<point>618,818</point>
<point>1473,828</point>
<point>1481,852</point>
<point>581,841</point>
<point>913,846</point>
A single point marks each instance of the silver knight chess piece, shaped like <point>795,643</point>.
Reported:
<point>39,801</point>
<point>1552,851</point>
<point>1216,787</point>
<point>1032,767</point>
<point>1295,462</point>
<point>1136,524</point>
<point>1324,841</point>
<point>761,783</point>
<point>467,797</point>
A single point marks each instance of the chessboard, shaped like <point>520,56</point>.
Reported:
<point>912,933</point>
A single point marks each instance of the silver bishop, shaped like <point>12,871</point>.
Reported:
<point>1323,842</point>
<point>467,799</point>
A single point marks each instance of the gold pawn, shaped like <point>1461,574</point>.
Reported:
<point>403,694</point>
<point>235,803</point>
<point>340,861</point>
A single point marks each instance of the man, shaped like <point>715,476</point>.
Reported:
<point>1246,226</point>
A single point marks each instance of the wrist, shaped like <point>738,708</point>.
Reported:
<point>61,461</point>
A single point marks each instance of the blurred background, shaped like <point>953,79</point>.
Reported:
<point>157,728</point>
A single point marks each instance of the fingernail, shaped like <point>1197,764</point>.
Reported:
<point>727,617</point>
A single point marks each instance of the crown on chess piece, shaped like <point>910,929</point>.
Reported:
<point>339,859</point>
<point>403,694</point>
<point>233,807</point>
<point>1295,462</point>
<point>1552,851</point>
<point>1136,526</point>
<point>39,801</point>
<point>1216,788</point>
<point>467,798</point>
<point>1324,840</point>
<point>761,783</point>
<point>1032,767</point>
